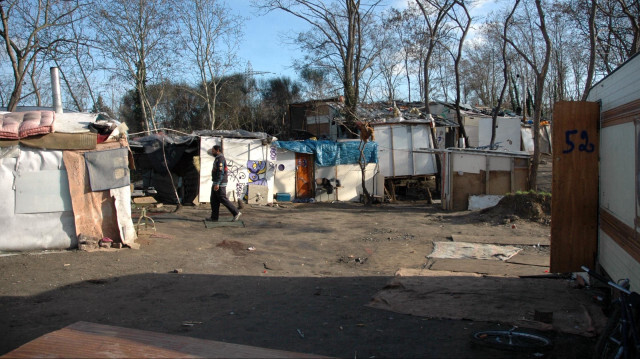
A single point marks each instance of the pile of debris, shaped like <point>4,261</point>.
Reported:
<point>532,206</point>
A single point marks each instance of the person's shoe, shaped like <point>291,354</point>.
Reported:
<point>213,220</point>
<point>236,217</point>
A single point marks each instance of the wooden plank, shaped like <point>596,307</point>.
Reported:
<point>90,340</point>
<point>463,186</point>
<point>574,204</point>
<point>486,267</point>
<point>628,112</point>
<point>530,259</point>
<point>514,240</point>
<point>622,234</point>
<point>144,200</point>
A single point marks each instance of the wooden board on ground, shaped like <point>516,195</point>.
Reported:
<point>486,267</point>
<point>223,223</point>
<point>514,240</point>
<point>443,294</point>
<point>530,259</point>
<point>90,340</point>
<point>144,200</point>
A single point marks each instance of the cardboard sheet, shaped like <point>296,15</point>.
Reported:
<point>515,240</point>
<point>94,212</point>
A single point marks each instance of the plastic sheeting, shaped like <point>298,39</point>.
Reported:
<point>330,153</point>
<point>31,231</point>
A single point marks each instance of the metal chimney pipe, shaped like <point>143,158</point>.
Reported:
<point>55,89</point>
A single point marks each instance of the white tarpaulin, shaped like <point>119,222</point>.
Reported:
<point>27,231</point>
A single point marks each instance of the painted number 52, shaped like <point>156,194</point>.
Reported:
<point>585,146</point>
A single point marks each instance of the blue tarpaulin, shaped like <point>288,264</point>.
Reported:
<point>331,153</point>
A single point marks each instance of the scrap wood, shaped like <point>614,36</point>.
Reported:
<point>486,267</point>
<point>89,340</point>
<point>530,259</point>
<point>514,240</point>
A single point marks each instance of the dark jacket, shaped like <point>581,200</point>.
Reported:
<point>219,172</point>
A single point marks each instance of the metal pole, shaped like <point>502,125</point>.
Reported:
<point>55,89</point>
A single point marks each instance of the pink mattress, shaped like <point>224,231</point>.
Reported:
<point>16,125</point>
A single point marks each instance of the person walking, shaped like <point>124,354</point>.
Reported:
<point>219,187</point>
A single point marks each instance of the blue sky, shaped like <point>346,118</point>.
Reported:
<point>265,44</point>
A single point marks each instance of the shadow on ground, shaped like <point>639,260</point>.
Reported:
<point>324,316</point>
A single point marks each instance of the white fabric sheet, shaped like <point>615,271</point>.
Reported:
<point>20,232</point>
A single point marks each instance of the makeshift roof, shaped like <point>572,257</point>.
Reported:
<point>188,139</point>
<point>331,153</point>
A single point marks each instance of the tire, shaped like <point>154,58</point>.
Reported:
<point>610,340</point>
<point>512,340</point>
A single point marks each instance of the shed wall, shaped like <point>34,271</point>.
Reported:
<point>618,240</point>
<point>396,145</point>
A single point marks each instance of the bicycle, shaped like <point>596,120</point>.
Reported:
<point>620,338</point>
<point>512,340</point>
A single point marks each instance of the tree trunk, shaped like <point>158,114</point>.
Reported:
<point>366,196</point>
<point>592,49</point>
<point>15,97</point>
<point>427,59</point>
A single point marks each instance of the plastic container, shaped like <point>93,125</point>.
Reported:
<point>283,197</point>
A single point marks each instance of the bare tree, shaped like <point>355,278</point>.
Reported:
<point>30,28</point>
<point>434,13</point>
<point>339,39</point>
<point>592,49</point>
<point>463,23</point>
<point>343,38</point>
<point>211,36</point>
<point>524,42</point>
<point>76,64</point>
<point>138,39</point>
<point>632,12</point>
<point>505,74</point>
<point>405,25</point>
<point>389,63</point>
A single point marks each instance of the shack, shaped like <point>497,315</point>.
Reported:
<point>325,170</point>
<point>178,167</point>
<point>469,172</point>
<point>618,242</point>
<point>316,118</point>
<point>63,176</point>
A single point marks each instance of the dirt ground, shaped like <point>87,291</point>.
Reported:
<point>303,288</point>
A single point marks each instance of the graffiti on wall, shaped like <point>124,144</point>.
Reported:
<point>237,172</point>
<point>273,153</point>
<point>257,172</point>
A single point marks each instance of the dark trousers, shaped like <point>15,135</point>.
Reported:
<point>220,196</point>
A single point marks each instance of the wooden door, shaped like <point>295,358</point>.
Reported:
<point>304,175</point>
<point>574,197</point>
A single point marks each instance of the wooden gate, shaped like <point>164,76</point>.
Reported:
<point>304,175</point>
<point>574,199</point>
